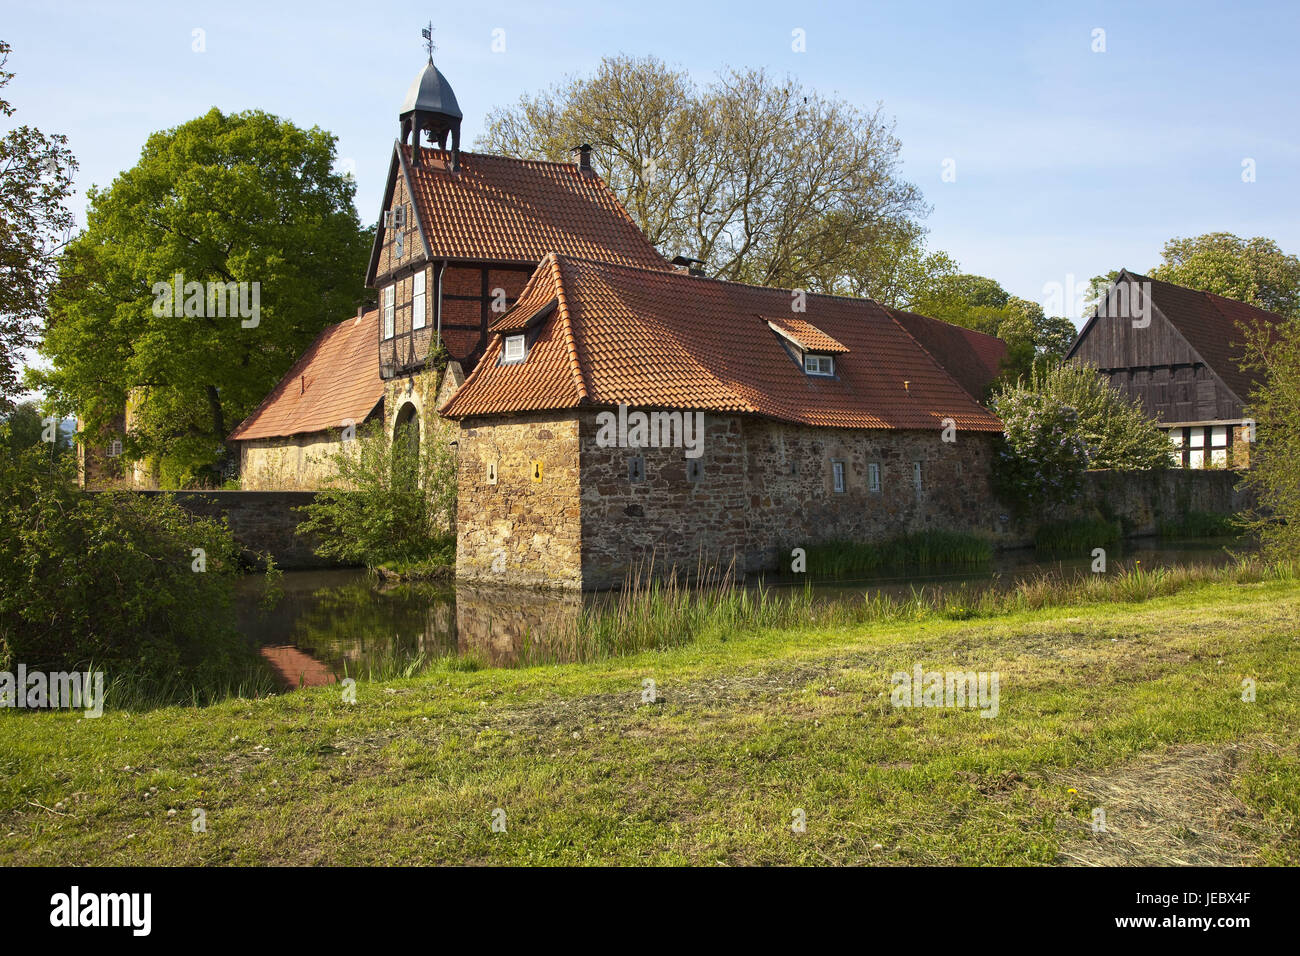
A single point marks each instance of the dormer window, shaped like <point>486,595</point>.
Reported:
<point>515,349</point>
<point>815,364</point>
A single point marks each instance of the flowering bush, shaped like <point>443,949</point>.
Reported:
<point>1042,457</point>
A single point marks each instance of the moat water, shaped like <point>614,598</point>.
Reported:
<point>332,624</point>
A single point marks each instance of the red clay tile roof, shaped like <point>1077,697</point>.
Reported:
<point>972,358</point>
<point>1212,325</point>
<point>656,339</point>
<point>337,378</point>
<point>501,209</point>
<point>804,334</point>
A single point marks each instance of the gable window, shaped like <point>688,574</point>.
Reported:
<point>837,475</point>
<point>515,349</point>
<point>873,476</point>
<point>818,364</point>
<point>389,293</point>
<point>417,300</point>
<point>399,245</point>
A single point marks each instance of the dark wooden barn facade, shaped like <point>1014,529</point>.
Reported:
<point>1179,352</point>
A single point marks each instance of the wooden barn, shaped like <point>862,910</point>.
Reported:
<point>1179,352</point>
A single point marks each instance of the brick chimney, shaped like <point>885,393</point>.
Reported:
<point>584,157</point>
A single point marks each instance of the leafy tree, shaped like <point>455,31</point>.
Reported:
<point>763,180</point>
<point>387,501</point>
<point>1275,456</point>
<point>1249,270</point>
<point>245,198</point>
<point>35,179</point>
<point>110,580</point>
<point>1098,286</point>
<point>980,303</point>
<point>25,427</point>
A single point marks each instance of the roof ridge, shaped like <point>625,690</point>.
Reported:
<point>931,318</point>
<point>731,283</point>
<point>567,164</point>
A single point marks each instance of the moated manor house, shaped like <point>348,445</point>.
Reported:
<point>819,417</point>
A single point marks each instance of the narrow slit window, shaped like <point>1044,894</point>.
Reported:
<point>837,475</point>
<point>636,468</point>
<point>916,475</point>
<point>873,476</point>
<point>694,469</point>
<point>399,245</point>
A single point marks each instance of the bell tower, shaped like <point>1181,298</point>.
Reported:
<point>430,106</point>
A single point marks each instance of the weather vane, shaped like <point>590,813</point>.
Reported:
<point>427,33</point>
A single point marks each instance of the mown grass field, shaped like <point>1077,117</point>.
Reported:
<point>1132,707</point>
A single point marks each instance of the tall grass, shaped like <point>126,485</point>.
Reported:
<point>1201,524</point>
<point>1077,536</point>
<point>920,552</point>
<point>658,613</point>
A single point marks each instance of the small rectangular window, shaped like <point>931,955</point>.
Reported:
<point>636,468</point>
<point>417,301</point>
<point>818,364</point>
<point>837,475</point>
<point>916,474</point>
<point>514,351</point>
<point>399,216</point>
<point>873,476</point>
<point>694,469</point>
<point>389,293</point>
<point>1219,436</point>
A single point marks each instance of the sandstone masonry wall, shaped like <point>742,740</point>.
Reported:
<point>288,463</point>
<point>517,525</point>
<point>765,487</point>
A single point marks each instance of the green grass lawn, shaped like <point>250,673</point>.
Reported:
<point>1132,707</point>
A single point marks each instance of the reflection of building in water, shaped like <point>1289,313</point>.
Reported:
<point>505,627</point>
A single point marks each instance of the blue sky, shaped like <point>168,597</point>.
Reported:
<point>1068,161</point>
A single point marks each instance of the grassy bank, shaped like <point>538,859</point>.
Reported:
<point>1132,706</point>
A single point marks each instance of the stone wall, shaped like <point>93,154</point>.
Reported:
<point>765,487</point>
<point>518,501</point>
<point>760,489</point>
<point>1142,499</point>
<point>261,521</point>
<point>288,463</point>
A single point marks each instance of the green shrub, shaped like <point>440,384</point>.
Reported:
<point>110,580</point>
<point>386,501</point>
